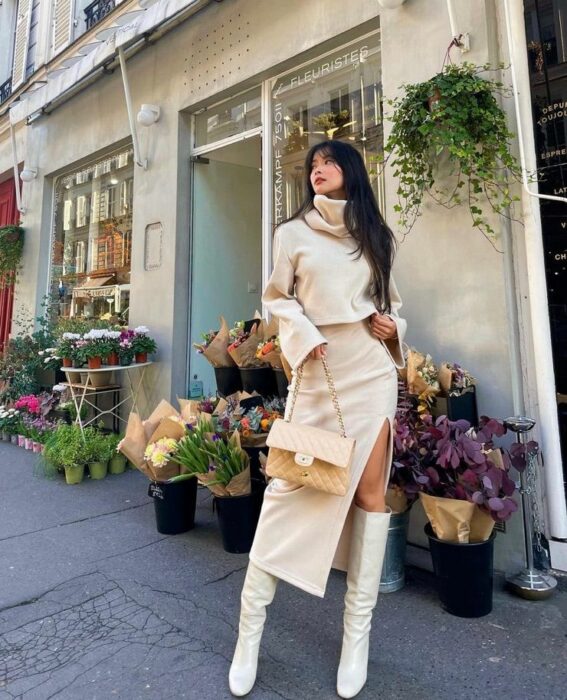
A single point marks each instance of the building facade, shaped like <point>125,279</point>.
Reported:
<point>168,221</point>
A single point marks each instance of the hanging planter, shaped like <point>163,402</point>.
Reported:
<point>11,248</point>
<point>453,117</point>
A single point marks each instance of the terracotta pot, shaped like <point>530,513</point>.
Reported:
<point>141,357</point>
<point>112,359</point>
<point>94,362</point>
<point>67,362</point>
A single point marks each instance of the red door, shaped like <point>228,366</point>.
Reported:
<point>8,215</point>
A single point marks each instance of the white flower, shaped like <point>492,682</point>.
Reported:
<point>142,330</point>
<point>59,387</point>
<point>71,336</point>
<point>113,334</point>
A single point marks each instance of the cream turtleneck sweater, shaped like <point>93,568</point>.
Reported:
<point>315,258</point>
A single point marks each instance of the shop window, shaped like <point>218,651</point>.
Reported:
<point>92,240</point>
<point>229,118</point>
<point>337,96</point>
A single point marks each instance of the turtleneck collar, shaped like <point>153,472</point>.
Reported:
<point>328,215</point>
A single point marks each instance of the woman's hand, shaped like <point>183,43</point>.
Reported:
<point>382,326</point>
<point>318,352</point>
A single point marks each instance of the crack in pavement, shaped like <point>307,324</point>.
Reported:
<point>73,522</point>
<point>110,618</point>
<point>222,578</point>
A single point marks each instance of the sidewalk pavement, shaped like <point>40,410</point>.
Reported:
<point>96,604</point>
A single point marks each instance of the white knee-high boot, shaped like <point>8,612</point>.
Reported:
<point>258,592</point>
<point>367,549</point>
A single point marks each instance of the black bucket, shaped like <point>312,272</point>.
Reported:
<point>281,382</point>
<point>260,379</point>
<point>256,477</point>
<point>464,574</point>
<point>174,505</point>
<point>238,517</point>
<point>228,380</point>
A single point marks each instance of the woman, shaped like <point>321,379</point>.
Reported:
<point>337,253</point>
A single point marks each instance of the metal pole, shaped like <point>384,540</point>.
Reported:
<point>142,163</point>
<point>528,583</point>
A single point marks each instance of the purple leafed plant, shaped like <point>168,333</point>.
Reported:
<point>448,459</point>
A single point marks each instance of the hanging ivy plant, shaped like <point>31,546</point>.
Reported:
<point>452,117</point>
<point>11,248</point>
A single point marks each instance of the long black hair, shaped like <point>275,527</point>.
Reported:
<point>362,216</point>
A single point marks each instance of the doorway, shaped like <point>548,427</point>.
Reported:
<point>226,249</point>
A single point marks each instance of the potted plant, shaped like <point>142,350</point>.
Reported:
<point>63,451</point>
<point>454,116</point>
<point>464,487</point>
<point>125,350</point>
<point>117,462</point>
<point>142,344</point>
<point>11,248</point>
<point>96,453</point>
<point>113,347</point>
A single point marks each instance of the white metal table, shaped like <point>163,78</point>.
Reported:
<point>82,393</point>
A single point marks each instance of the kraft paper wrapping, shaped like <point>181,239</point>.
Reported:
<point>273,358</point>
<point>245,354</point>
<point>189,409</point>
<point>396,499</point>
<point>450,518</point>
<point>134,442</point>
<point>163,410</point>
<point>216,353</point>
<point>457,521</point>
<point>416,384</point>
<point>445,378</point>
<point>272,328</point>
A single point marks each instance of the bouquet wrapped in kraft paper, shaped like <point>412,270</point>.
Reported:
<point>149,444</point>
<point>454,380</point>
<point>244,344</point>
<point>421,375</point>
<point>463,478</point>
<point>215,346</point>
<point>217,461</point>
<point>456,521</point>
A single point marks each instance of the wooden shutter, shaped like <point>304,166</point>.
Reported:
<point>62,24</point>
<point>21,43</point>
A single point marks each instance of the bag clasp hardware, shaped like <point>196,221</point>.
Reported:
<point>303,460</point>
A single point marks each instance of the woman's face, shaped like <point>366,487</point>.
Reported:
<point>327,177</point>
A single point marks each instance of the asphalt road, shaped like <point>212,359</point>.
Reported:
<point>96,604</point>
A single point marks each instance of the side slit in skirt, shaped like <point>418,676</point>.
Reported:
<point>303,533</point>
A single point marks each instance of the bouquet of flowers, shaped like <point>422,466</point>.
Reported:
<point>215,346</point>
<point>228,466</point>
<point>454,380</point>
<point>242,347</point>
<point>151,445</point>
<point>270,351</point>
<point>422,377</point>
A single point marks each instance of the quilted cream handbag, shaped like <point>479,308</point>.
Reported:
<point>310,456</point>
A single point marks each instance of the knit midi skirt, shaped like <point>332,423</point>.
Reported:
<point>302,533</point>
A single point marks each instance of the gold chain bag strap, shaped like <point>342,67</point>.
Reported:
<point>310,456</point>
